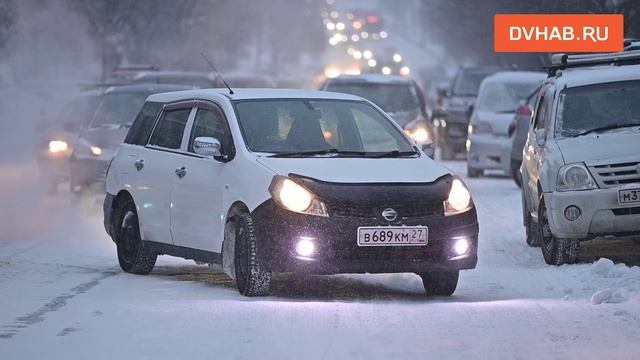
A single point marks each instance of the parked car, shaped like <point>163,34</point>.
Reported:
<point>98,141</point>
<point>492,115</point>
<point>400,97</point>
<point>581,164</point>
<point>273,180</point>
<point>512,150</point>
<point>187,78</point>
<point>58,137</point>
<point>452,120</point>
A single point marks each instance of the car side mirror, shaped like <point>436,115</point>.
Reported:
<point>207,146</point>
<point>541,135</point>
<point>72,126</point>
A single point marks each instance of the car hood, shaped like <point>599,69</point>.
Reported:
<point>359,170</point>
<point>499,120</point>
<point>597,149</point>
<point>107,138</point>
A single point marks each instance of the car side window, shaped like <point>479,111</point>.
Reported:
<point>210,123</point>
<point>143,124</point>
<point>170,128</point>
<point>539,121</point>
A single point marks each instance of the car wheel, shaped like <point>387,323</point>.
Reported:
<point>446,152</point>
<point>132,255</point>
<point>556,251</point>
<point>474,173</point>
<point>251,276</point>
<point>442,282</point>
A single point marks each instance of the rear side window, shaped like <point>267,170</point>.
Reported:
<point>168,133</point>
<point>143,124</point>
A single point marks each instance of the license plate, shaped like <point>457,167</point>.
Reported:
<point>629,196</point>
<point>393,236</point>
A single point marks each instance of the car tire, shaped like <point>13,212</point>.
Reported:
<point>446,152</point>
<point>252,278</point>
<point>556,251</point>
<point>442,283</point>
<point>474,173</point>
<point>132,255</point>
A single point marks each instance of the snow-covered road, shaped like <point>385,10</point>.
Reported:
<point>62,295</point>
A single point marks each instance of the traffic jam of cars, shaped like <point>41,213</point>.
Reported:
<point>346,179</point>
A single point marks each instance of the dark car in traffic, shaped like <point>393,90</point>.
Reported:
<point>97,142</point>
<point>452,120</point>
<point>398,96</point>
<point>57,137</point>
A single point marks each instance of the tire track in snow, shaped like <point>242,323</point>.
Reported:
<point>57,303</point>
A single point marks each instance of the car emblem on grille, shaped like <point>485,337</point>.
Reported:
<point>389,214</point>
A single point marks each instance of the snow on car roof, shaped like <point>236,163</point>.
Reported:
<point>594,75</point>
<point>373,78</point>
<point>247,94</point>
<point>516,76</point>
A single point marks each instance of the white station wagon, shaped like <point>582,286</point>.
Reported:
<point>266,180</point>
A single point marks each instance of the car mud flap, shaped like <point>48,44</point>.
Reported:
<point>228,249</point>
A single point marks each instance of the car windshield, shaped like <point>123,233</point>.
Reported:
<point>118,109</point>
<point>389,97</point>
<point>468,83</point>
<point>332,126</point>
<point>504,96</point>
<point>606,106</point>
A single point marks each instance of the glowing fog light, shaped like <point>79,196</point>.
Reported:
<point>461,246</point>
<point>305,247</point>
<point>56,146</point>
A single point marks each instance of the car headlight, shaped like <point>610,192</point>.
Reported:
<point>87,148</point>
<point>459,199</point>
<point>575,177</point>
<point>296,198</point>
<point>420,135</point>
<point>56,146</point>
<point>95,150</point>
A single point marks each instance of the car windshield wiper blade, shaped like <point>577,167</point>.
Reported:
<point>319,152</point>
<point>395,153</point>
<point>608,127</point>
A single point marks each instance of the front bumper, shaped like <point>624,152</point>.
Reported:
<point>601,215</point>
<point>278,231</point>
<point>88,174</point>
<point>486,151</point>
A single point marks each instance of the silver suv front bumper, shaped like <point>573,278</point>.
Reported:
<point>601,214</point>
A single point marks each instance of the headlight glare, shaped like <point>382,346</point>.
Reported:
<point>96,151</point>
<point>420,135</point>
<point>296,198</point>
<point>459,199</point>
<point>56,146</point>
<point>575,177</point>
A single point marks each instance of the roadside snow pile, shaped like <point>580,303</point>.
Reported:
<point>613,283</point>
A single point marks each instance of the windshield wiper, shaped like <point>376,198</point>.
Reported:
<point>395,153</point>
<point>319,152</point>
<point>607,127</point>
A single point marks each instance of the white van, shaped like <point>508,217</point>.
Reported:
<point>271,180</point>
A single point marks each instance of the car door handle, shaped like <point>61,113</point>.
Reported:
<point>181,172</point>
<point>139,164</point>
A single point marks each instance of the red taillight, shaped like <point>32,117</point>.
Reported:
<point>524,110</point>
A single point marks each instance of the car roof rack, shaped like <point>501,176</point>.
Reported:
<point>565,61</point>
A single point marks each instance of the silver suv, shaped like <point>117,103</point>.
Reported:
<point>581,162</point>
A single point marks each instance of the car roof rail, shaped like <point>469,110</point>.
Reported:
<point>565,61</point>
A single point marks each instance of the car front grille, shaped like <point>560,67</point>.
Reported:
<point>611,175</point>
<point>405,211</point>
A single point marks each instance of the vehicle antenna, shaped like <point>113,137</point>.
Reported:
<point>214,69</point>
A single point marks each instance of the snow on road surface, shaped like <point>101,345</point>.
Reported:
<point>62,295</point>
